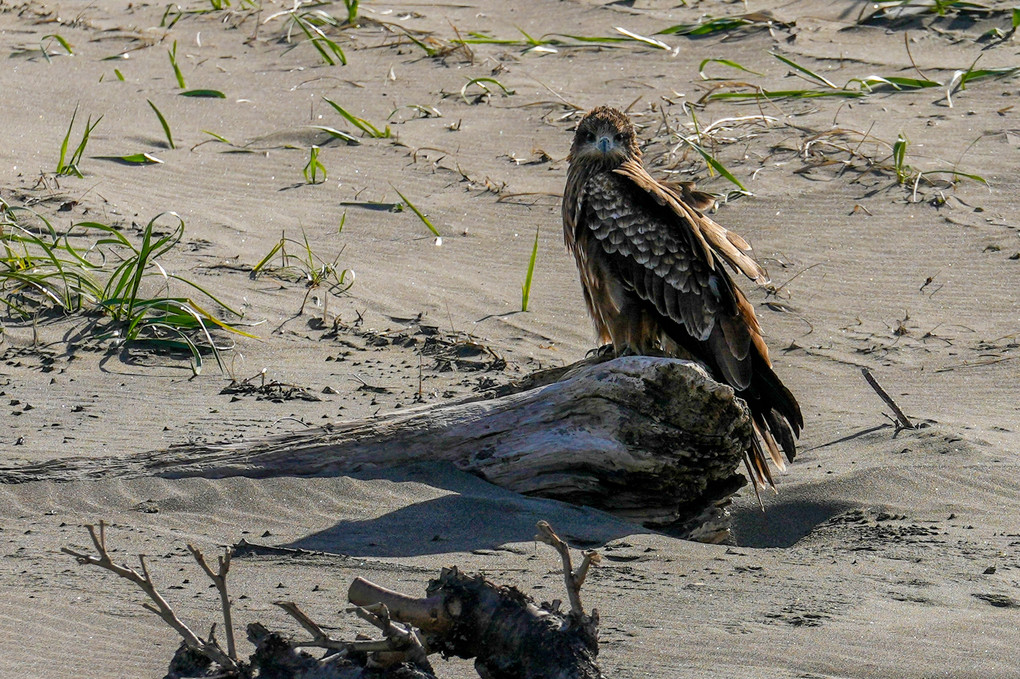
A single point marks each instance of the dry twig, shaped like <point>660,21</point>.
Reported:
<point>320,638</point>
<point>220,580</point>
<point>904,421</point>
<point>210,649</point>
<point>573,578</point>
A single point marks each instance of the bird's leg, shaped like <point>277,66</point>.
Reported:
<point>603,351</point>
<point>629,350</point>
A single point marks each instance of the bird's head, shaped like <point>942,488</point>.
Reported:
<point>604,137</point>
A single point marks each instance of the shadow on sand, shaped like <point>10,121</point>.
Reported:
<point>474,515</point>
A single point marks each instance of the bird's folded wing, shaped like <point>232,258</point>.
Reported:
<point>711,236</point>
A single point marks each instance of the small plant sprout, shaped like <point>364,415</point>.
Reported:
<point>67,166</point>
<point>421,215</point>
<point>163,124</point>
<point>314,167</point>
<point>307,267</point>
<point>899,154</point>
<point>44,47</point>
<point>352,11</point>
<point>526,288</point>
<point>172,53</point>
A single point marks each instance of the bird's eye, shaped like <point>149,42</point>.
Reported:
<point>618,137</point>
<point>588,136</point>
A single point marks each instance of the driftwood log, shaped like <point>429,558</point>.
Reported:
<point>650,439</point>
<point>508,635</point>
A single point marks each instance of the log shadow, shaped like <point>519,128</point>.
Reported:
<point>782,524</point>
<point>475,515</point>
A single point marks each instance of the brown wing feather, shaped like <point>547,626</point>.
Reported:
<point>639,248</point>
<point>728,245</point>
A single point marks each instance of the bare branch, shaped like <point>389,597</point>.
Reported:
<point>402,642</point>
<point>210,649</point>
<point>319,636</point>
<point>573,579</point>
<point>219,579</point>
<point>581,574</point>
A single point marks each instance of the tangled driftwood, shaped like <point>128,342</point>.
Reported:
<point>508,635</point>
<point>650,439</point>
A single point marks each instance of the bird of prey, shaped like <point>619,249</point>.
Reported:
<point>652,269</point>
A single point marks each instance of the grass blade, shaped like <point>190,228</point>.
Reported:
<point>899,153</point>
<point>360,123</point>
<point>311,170</point>
<point>785,94</point>
<point>163,123</point>
<point>133,159</point>
<point>707,27</point>
<point>61,40</point>
<point>336,134</point>
<point>218,137</point>
<point>717,166</point>
<point>811,74</point>
<point>480,82</point>
<point>421,215</point>
<point>69,167</point>
<point>724,62</point>
<point>526,288</point>
<point>208,94</point>
<point>658,44</point>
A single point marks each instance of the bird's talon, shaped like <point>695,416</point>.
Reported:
<point>601,352</point>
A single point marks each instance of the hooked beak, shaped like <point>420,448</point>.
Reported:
<point>604,144</point>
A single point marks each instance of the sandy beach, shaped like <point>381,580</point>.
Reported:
<point>877,154</point>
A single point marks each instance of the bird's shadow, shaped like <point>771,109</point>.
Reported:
<point>783,524</point>
<point>474,515</point>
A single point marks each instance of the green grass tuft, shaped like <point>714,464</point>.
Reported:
<point>67,166</point>
<point>307,267</point>
<point>330,52</point>
<point>172,53</point>
<point>314,167</point>
<point>95,269</point>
